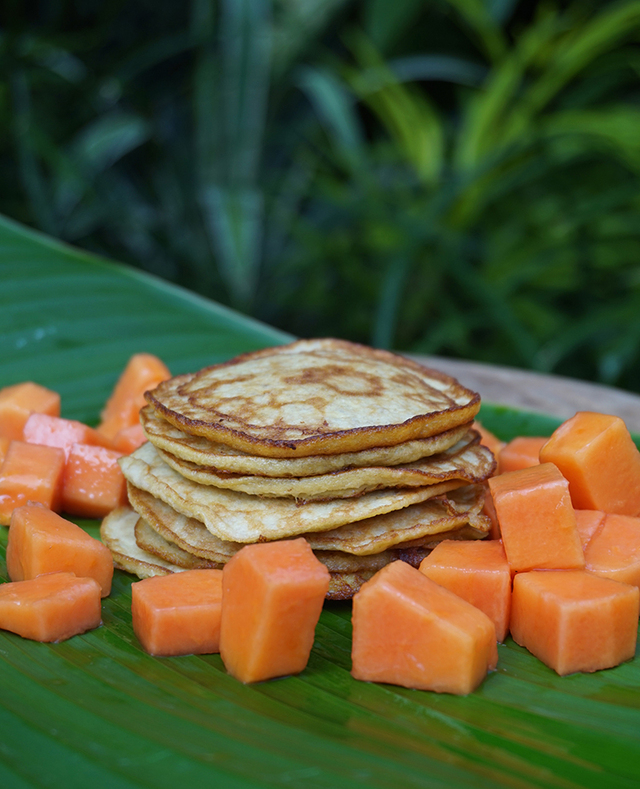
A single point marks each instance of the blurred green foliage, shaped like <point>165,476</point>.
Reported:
<point>457,177</point>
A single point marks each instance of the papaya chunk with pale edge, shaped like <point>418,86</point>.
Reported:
<point>93,483</point>
<point>55,431</point>
<point>272,597</point>
<point>596,454</point>
<point>520,452</point>
<point>477,571</point>
<point>40,541</point>
<point>178,614</point>
<point>410,631</point>
<point>17,402</point>
<point>143,372</point>
<point>614,550</point>
<point>588,523</point>
<point>30,472</point>
<point>536,519</point>
<point>573,620</point>
<point>51,607</point>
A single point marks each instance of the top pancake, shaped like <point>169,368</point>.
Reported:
<point>314,397</point>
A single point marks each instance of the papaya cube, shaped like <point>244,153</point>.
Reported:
<point>477,571</point>
<point>272,597</point>
<point>409,631</point>
<point>614,550</point>
<point>20,400</point>
<point>143,371</point>
<point>54,431</point>
<point>93,483</point>
<point>520,452</point>
<point>30,472</point>
<point>40,541</point>
<point>51,607</point>
<point>129,439</point>
<point>178,614</point>
<point>536,518</point>
<point>596,454</point>
<point>588,523</point>
<point>573,620</point>
<point>4,446</point>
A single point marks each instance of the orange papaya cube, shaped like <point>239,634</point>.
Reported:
<point>477,571</point>
<point>129,439</point>
<point>4,446</point>
<point>488,439</point>
<point>51,607</point>
<point>143,372</point>
<point>30,472</point>
<point>20,400</point>
<point>614,550</point>
<point>520,452</point>
<point>573,620</point>
<point>588,523</point>
<point>272,597</point>
<point>93,483</point>
<point>596,454</point>
<point>537,520</point>
<point>40,541</point>
<point>178,614</point>
<point>410,631</point>
<point>55,431</point>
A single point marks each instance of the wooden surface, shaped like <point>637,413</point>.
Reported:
<point>547,394</point>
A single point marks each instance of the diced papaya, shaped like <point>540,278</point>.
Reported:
<point>30,472</point>
<point>129,439</point>
<point>520,452</point>
<point>178,614</point>
<point>536,519</point>
<point>272,597</point>
<point>596,454</point>
<point>573,620</point>
<point>4,446</point>
<point>40,541</point>
<point>143,372</point>
<point>20,400</point>
<point>588,523</point>
<point>54,431</point>
<point>477,571</point>
<point>488,439</point>
<point>51,607</point>
<point>409,631</point>
<point>93,483</point>
<point>614,550</point>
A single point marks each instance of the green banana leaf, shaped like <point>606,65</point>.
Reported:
<point>96,710</point>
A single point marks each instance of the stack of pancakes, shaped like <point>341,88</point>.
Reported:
<point>369,456</point>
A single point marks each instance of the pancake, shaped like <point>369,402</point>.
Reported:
<point>470,463</point>
<point>117,532</point>
<point>195,449</point>
<point>240,517</point>
<point>314,397</point>
<point>456,516</point>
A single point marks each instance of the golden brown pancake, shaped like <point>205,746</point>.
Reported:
<point>196,449</point>
<point>314,397</point>
<point>239,517</point>
<point>470,463</point>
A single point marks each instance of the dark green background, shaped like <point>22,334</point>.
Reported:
<point>456,177</point>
